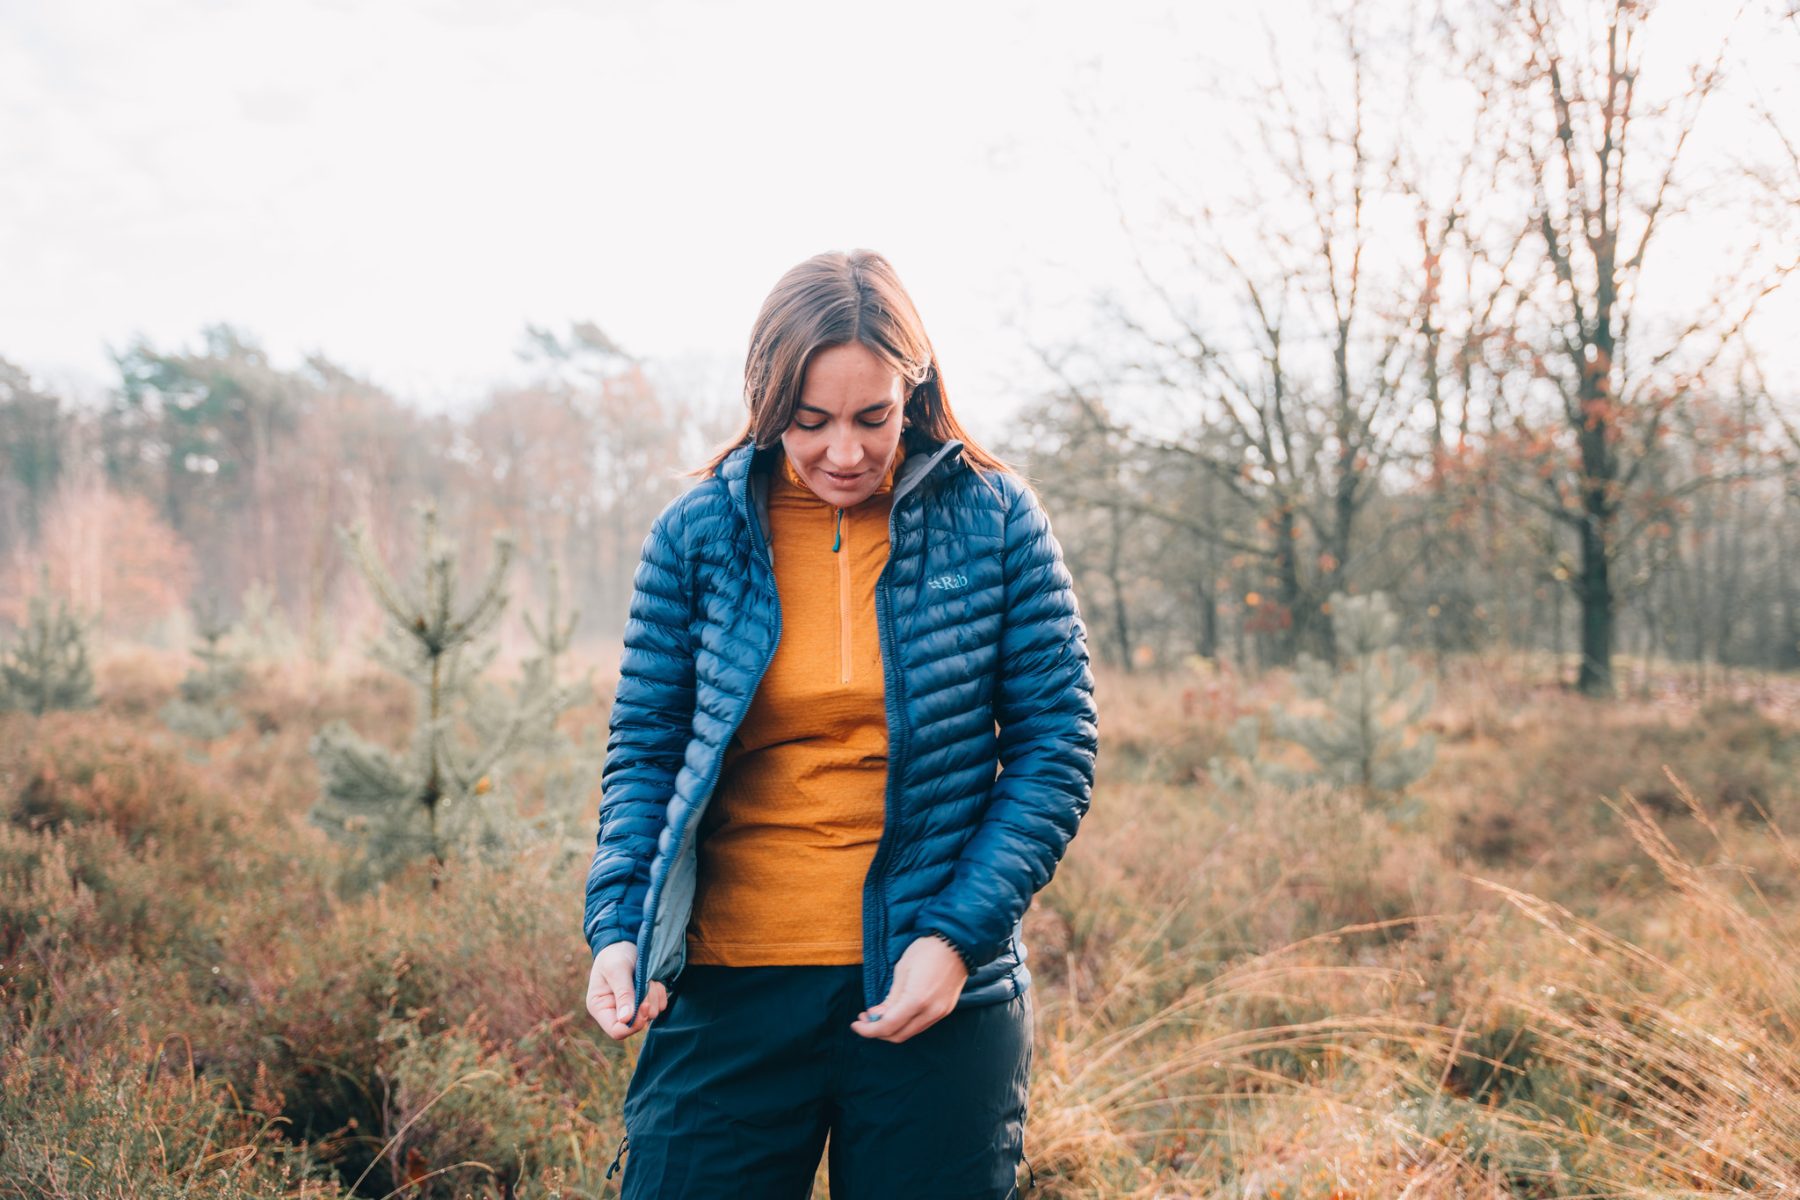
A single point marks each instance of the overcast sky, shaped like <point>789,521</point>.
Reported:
<point>403,185</point>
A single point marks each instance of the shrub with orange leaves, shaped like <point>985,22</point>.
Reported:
<point>108,553</point>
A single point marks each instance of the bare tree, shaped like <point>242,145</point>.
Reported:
<point>1299,412</point>
<point>1602,160</point>
<point>1104,543</point>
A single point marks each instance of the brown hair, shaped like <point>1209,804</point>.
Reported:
<point>829,300</point>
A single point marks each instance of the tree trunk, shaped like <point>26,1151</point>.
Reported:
<point>1595,677</point>
<point>1287,577</point>
<point>1115,577</point>
<point>1208,646</point>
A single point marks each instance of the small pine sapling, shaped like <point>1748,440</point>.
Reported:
<point>1362,732</point>
<point>440,794</point>
<point>569,768</point>
<point>46,666</point>
<point>201,709</point>
<point>263,630</point>
<point>1370,704</point>
<point>537,688</point>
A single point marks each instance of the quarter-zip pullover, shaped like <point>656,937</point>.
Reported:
<point>798,809</point>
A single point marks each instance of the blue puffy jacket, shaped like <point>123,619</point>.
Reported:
<point>985,659</point>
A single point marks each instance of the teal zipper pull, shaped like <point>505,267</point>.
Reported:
<point>838,536</point>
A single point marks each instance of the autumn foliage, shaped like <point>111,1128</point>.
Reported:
<point>109,553</point>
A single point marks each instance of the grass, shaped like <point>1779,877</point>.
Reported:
<point>1574,975</point>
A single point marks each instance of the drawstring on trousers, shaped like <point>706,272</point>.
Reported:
<point>1031,1174</point>
<point>616,1157</point>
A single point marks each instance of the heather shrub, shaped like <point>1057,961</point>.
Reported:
<point>1538,989</point>
<point>133,1122</point>
<point>466,1118</point>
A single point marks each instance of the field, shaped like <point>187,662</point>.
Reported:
<point>1571,972</point>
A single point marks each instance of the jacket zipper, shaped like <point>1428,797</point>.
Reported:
<point>844,651</point>
<point>875,974</point>
<point>641,973</point>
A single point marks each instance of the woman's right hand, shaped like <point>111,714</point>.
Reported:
<point>609,998</point>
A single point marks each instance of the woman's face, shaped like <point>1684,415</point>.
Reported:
<point>846,426</point>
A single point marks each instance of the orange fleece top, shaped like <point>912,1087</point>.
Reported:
<point>789,834</point>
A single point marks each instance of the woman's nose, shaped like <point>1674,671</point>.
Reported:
<point>845,452</point>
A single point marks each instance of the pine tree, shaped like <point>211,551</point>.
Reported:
<point>201,710</point>
<point>440,795</point>
<point>569,767</point>
<point>1236,773</point>
<point>263,629</point>
<point>537,686</point>
<point>46,667</point>
<point>1370,705</point>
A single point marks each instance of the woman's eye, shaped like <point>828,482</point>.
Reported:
<point>821,425</point>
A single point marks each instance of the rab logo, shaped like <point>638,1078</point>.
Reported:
<point>948,583</point>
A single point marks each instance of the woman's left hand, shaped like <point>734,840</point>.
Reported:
<point>927,980</point>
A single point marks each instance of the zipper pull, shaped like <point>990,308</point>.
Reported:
<point>618,1156</point>
<point>838,539</point>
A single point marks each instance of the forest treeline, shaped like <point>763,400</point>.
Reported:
<point>1447,338</point>
<point>212,477</point>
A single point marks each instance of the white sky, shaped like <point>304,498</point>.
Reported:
<point>403,185</point>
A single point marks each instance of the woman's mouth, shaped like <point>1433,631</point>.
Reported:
<point>843,479</point>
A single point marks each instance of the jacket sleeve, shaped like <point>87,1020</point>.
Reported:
<point>647,737</point>
<point>1048,737</point>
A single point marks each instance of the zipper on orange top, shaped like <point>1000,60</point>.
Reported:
<point>837,548</point>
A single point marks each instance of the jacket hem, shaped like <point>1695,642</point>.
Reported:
<point>999,990</point>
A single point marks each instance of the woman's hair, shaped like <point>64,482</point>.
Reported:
<point>833,299</point>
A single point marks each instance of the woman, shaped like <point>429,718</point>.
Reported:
<point>809,881</point>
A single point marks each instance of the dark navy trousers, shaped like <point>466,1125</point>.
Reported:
<point>747,1070</point>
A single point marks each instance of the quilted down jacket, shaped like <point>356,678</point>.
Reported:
<point>986,667</point>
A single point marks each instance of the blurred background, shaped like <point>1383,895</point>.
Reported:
<point>1414,390</point>
<point>1434,299</point>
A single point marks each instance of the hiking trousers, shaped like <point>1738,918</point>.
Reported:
<point>748,1069</point>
